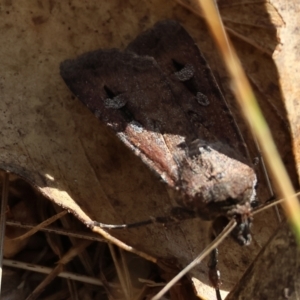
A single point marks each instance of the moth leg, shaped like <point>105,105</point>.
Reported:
<point>214,273</point>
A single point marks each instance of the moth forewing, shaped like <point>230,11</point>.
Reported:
<point>198,93</point>
<point>163,102</point>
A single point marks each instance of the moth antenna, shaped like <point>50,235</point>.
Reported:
<point>177,214</point>
<point>214,273</point>
<point>121,226</point>
<point>133,225</point>
<point>268,205</point>
<point>214,244</point>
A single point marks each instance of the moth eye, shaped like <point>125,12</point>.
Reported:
<point>202,99</point>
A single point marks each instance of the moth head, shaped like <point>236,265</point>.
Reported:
<point>215,184</point>
<point>244,218</point>
<point>242,232</point>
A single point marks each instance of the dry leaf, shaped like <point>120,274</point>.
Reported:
<point>53,142</point>
<point>255,22</point>
<point>275,272</point>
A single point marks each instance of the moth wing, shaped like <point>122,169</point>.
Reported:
<point>131,95</point>
<point>182,62</point>
<point>214,178</point>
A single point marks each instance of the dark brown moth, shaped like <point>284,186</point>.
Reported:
<point>162,101</point>
<point>162,76</point>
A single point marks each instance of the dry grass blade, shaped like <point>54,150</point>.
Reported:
<point>265,279</point>
<point>247,21</point>
<point>83,256</point>
<point>218,240</point>
<point>60,231</point>
<point>122,245</point>
<point>121,274</point>
<point>73,252</point>
<point>253,114</point>
<point>271,204</point>
<point>46,270</point>
<point>40,226</point>
<point>126,274</point>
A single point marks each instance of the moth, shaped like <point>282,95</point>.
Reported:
<point>159,80</point>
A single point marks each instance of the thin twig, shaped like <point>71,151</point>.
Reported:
<point>267,206</point>
<point>39,226</point>
<point>67,257</point>
<point>122,245</point>
<point>2,219</point>
<point>46,270</point>
<point>61,231</point>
